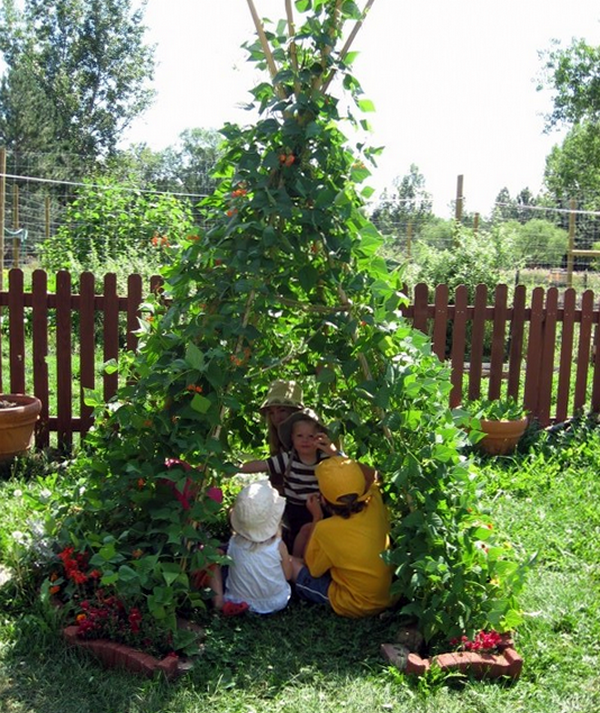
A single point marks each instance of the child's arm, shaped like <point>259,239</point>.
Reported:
<point>254,466</point>
<point>286,560</point>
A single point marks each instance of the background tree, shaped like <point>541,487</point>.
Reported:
<point>403,213</point>
<point>517,208</point>
<point>573,75</point>
<point>76,77</point>
<point>573,169</point>
<point>410,202</point>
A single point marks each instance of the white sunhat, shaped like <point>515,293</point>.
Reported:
<point>257,512</point>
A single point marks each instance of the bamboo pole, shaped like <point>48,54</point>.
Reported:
<point>293,49</point>
<point>350,40</point>
<point>260,30</point>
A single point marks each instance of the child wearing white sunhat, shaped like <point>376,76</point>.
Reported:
<point>257,578</point>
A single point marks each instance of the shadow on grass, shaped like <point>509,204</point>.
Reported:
<point>252,655</point>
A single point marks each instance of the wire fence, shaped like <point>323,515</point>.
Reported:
<point>545,244</point>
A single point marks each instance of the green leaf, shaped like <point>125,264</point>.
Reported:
<point>366,105</point>
<point>200,403</point>
<point>194,357</point>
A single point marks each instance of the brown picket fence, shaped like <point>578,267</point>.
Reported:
<point>543,352</point>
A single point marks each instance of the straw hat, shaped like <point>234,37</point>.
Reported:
<point>283,393</point>
<point>257,512</point>
<point>285,428</point>
<point>339,476</point>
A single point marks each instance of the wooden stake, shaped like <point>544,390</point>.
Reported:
<point>293,49</point>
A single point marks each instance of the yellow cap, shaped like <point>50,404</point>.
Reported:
<point>339,476</point>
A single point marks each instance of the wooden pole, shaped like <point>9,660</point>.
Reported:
<point>409,232</point>
<point>47,216</point>
<point>16,226</point>
<point>570,252</point>
<point>2,213</point>
<point>475,223</point>
<point>458,208</point>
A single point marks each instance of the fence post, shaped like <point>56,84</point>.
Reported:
<point>47,216</point>
<point>570,257</point>
<point>458,208</point>
<point>16,226</point>
<point>2,208</point>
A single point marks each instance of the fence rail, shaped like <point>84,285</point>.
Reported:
<point>543,352</point>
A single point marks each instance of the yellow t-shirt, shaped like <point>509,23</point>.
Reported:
<point>350,549</point>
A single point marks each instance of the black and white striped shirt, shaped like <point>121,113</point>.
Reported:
<point>300,481</point>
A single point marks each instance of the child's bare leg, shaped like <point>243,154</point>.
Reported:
<point>216,584</point>
<point>302,540</point>
<point>297,565</point>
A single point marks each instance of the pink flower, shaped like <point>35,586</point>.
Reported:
<point>215,494</point>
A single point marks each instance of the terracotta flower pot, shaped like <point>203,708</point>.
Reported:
<point>501,436</point>
<point>17,423</point>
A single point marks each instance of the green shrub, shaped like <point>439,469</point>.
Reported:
<point>108,221</point>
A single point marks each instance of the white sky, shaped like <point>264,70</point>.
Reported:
<point>453,82</point>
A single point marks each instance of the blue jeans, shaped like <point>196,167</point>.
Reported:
<point>313,589</point>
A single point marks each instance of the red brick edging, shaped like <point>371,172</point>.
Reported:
<point>114,655</point>
<point>506,663</point>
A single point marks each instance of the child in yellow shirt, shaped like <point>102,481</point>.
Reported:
<point>342,564</point>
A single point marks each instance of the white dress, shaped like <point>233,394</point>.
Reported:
<point>255,575</point>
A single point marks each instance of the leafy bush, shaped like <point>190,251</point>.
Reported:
<point>502,409</point>
<point>536,242</point>
<point>471,260</point>
<point>111,221</point>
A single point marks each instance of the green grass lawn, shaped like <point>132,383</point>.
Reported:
<point>545,499</point>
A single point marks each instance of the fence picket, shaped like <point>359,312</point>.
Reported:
<point>111,332</point>
<point>16,306</point>
<point>87,344</point>
<point>440,321</point>
<point>39,338</point>
<point>532,343</point>
<point>566,354</point>
<point>515,351</point>
<point>498,341</point>
<point>547,363</point>
<point>459,334</point>
<point>583,350</point>
<point>64,364</point>
<point>477,338</point>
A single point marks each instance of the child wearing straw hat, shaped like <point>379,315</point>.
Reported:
<point>257,578</point>
<point>342,566</point>
<point>282,400</point>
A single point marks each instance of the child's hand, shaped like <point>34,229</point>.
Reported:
<point>313,505</point>
<point>323,443</point>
